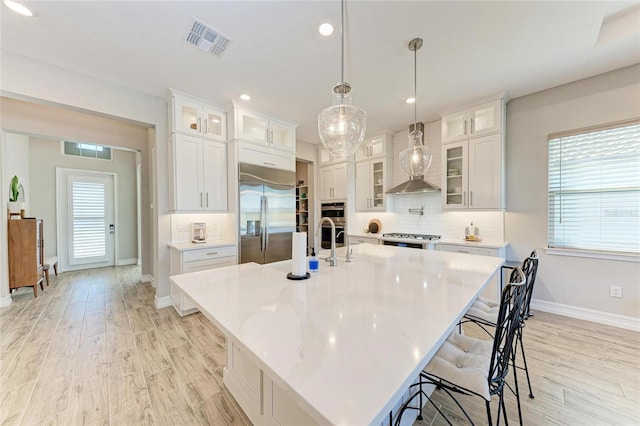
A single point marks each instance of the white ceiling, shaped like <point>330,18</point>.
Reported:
<point>471,50</point>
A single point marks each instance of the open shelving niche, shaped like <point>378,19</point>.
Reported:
<point>304,200</point>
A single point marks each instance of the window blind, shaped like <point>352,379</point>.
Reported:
<point>89,220</point>
<point>594,190</point>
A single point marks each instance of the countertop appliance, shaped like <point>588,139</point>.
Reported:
<point>420,241</point>
<point>199,233</point>
<point>267,213</point>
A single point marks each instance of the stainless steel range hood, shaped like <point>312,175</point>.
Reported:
<point>415,184</point>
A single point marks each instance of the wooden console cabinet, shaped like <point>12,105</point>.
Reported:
<point>26,248</point>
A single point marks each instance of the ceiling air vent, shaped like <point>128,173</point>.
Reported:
<point>207,38</point>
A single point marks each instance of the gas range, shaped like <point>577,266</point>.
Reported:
<point>420,241</point>
<point>424,237</point>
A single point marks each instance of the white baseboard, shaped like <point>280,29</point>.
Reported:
<point>5,301</point>
<point>122,262</point>
<point>600,317</point>
<point>163,302</point>
<point>148,278</point>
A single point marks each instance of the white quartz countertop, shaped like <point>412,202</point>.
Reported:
<point>348,341</point>
<point>481,243</point>
<point>208,244</point>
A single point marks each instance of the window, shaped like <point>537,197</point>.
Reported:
<point>594,189</point>
<point>82,149</point>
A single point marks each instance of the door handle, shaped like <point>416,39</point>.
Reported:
<point>464,198</point>
<point>112,229</point>
<point>201,199</point>
<point>266,219</point>
<point>472,127</point>
<point>199,126</point>
<point>470,198</point>
<point>207,199</point>
<point>206,126</point>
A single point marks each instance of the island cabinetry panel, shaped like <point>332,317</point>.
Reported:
<point>332,182</point>
<point>186,261</point>
<point>354,240</point>
<point>192,116</point>
<point>198,169</point>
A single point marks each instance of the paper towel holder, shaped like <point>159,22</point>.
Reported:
<point>298,277</point>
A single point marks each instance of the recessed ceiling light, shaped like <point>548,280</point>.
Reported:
<point>245,97</point>
<point>325,29</point>
<point>18,8</point>
<point>410,100</point>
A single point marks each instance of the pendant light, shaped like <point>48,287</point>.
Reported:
<point>416,159</point>
<point>342,126</point>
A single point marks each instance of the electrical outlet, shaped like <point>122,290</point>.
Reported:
<point>615,291</point>
<point>182,228</point>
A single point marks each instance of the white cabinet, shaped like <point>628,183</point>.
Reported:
<point>374,147</point>
<point>264,156</point>
<point>332,182</point>
<point>475,121</point>
<point>473,174</point>
<point>186,261</point>
<point>354,240</point>
<point>198,169</point>
<point>325,158</point>
<point>192,116</point>
<point>263,129</point>
<point>371,182</point>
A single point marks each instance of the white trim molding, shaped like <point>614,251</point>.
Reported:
<point>6,300</point>
<point>148,278</point>
<point>123,262</point>
<point>163,302</point>
<point>600,317</point>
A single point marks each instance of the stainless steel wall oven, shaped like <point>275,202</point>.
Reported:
<point>336,212</point>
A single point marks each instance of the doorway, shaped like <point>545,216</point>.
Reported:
<point>86,218</point>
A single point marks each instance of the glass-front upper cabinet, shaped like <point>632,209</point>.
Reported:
<point>455,166</point>
<point>261,129</point>
<point>193,117</point>
<point>475,121</point>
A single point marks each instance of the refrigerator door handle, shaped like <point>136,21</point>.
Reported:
<point>262,216</point>
<point>266,223</point>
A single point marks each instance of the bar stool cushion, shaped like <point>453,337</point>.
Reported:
<point>464,361</point>
<point>484,309</point>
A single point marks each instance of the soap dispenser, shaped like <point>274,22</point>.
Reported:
<point>314,263</point>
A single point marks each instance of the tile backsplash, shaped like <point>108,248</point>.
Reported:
<point>220,226</point>
<point>434,221</point>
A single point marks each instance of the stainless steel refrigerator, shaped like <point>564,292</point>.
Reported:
<point>267,213</point>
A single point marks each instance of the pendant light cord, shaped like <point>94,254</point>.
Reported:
<point>342,42</point>
<point>415,90</point>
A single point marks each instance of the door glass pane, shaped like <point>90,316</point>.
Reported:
<point>281,136</point>
<point>483,119</point>
<point>189,117</point>
<point>455,125</point>
<point>88,220</point>
<point>214,124</point>
<point>254,127</point>
<point>378,182</point>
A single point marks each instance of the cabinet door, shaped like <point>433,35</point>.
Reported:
<point>363,186</point>
<point>214,166</point>
<point>455,178</point>
<point>325,183</point>
<point>188,173</point>
<point>252,127</point>
<point>372,147</point>
<point>187,116</point>
<point>214,124</point>
<point>454,126</point>
<point>340,181</point>
<point>282,135</point>
<point>378,176</point>
<point>486,118</point>
<point>485,172</point>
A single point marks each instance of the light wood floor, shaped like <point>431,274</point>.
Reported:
<point>92,349</point>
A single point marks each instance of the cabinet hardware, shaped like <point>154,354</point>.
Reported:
<point>213,253</point>
<point>470,198</point>
<point>201,199</point>
<point>207,199</point>
<point>271,140</point>
<point>269,164</point>
<point>464,198</point>
<point>199,126</point>
<point>206,126</point>
<point>465,127</point>
<point>266,135</point>
<point>472,129</point>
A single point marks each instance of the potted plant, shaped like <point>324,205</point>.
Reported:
<point>14,205</point>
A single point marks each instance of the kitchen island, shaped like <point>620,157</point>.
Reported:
<point>343,346</point>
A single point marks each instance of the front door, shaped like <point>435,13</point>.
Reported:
<point>86,219</point>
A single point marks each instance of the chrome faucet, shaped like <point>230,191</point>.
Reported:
<point>346,237</point>
<point>333,260</point>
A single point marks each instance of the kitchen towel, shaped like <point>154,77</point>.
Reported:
<point>299,254</point>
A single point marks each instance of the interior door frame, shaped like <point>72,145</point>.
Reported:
<point>61,172</point>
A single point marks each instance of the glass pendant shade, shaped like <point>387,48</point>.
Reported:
<point>342,126</point>
<point>416,159</point>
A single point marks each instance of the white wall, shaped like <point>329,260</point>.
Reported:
<point>42,83</point>
<point>17,164</point>
<point>574,281</point>
<point>45,155</point>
